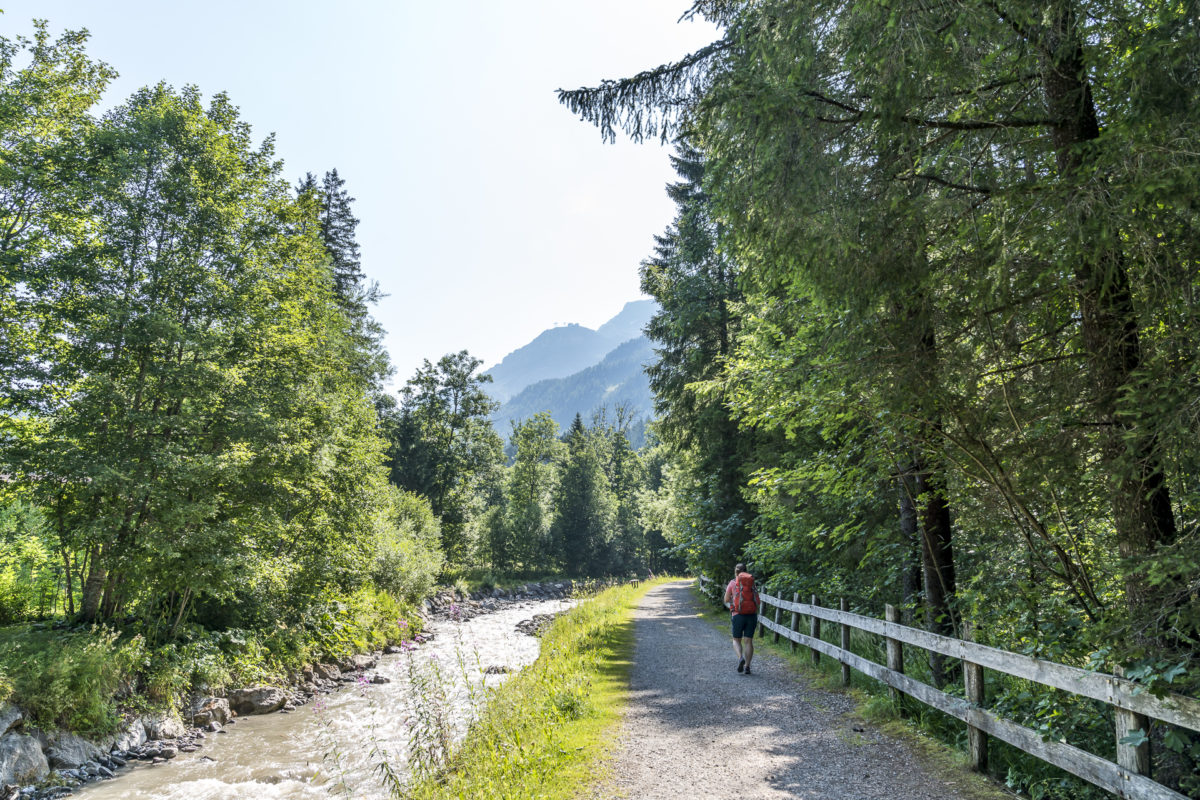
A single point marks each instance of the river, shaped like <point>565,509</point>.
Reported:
<point>334,745</point>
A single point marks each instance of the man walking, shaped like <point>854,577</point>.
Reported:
<point>742,599</point>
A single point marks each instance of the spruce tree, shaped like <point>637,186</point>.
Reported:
<point>585,508</point>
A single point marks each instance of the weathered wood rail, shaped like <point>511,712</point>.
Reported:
<point>1133,707</point>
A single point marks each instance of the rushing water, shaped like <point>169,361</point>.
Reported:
<point>333,745</point>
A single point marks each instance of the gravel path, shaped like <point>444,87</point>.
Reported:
<point>697,729</point>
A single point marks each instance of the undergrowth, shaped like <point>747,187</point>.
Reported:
<point>82,680</point>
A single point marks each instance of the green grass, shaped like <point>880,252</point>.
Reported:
<point>544,733</point>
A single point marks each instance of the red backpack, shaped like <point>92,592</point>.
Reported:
<point>745,596</point>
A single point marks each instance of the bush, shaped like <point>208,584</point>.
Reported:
<point>70,680</point>
<point>408,552</point>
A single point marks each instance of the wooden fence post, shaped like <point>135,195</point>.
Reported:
<point>1133,757</point>
<point>845,606</point>
<point>814,630</point>
<point>795,620</point>
<point>775,633</point>
<point>977,740</point>
<point>895,650</point>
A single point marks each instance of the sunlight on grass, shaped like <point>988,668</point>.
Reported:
<point>544,733</point>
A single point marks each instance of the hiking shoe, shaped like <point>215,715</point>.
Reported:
<point>741,664</point>
<point>746,671</point>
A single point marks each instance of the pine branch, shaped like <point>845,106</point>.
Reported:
<point>650,103</point>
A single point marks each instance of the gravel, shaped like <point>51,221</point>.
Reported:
<point>698,729</point>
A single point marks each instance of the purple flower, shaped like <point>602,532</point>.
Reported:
<point>403,623</point>
<point>318,705</point>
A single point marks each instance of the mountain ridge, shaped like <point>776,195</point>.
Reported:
<point>562,351</point>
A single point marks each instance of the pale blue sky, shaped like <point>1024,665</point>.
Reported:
<point>488,212</point>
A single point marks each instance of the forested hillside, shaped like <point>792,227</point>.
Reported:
<point>619,381</point>
<point>928,323</point>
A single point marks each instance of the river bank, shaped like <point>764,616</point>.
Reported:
<point>49,765</point>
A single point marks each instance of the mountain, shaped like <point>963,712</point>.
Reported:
<point>618,380</point>
<point>563,351</point>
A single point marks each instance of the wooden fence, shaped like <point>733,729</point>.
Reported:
<point>1133,707</point>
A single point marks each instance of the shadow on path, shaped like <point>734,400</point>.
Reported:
<point>696,728</point>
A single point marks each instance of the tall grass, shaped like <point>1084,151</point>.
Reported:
<point>543,733</point>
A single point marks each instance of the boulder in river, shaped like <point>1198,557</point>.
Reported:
<point>66,750</point>
<point>21,759</point>
<point>258,699</point>
<point>131,735</point>
<point>358,663</point>
<point>163,725</point>
<point>210,709</point>
<point>328,672</point>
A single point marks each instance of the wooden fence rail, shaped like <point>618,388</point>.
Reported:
<point>1133,706</point>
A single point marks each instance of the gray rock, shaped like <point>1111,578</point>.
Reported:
<point>10,715</point>
<point>210,709</point>
<point>213,727</point>
<point>131,735</point>
<point>380,679</point>
<point>21,759</point>
<point>328,672</point>
<point>168,752</point>
<point>68,750</point>
<point>358,663</point>
<point>163,725</point>
<point>258,699</point>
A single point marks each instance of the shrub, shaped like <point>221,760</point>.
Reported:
<point>408,550</point>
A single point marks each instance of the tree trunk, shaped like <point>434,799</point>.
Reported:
<point>1142,513</point>
<point>937,557</point>
<point>910,574</point>
<point>93,588</point>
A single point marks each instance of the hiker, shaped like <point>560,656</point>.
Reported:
<point>742,599</point>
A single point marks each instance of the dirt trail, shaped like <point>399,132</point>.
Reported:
<point>697,729</point>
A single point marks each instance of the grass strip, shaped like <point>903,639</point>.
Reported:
<point>545,732</point>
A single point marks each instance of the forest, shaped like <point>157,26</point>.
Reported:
<point>204,476</point>
<point>929,324</point>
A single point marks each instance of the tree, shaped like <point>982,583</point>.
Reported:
<point>696,287</point>
<point>210,439</point>
<point>584,508</point>
<point>331,204</point>
<point>531,486</point>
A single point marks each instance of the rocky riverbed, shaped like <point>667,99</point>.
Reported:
<point>38,766</point>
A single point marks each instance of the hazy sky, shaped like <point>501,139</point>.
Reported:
<point>488,211</point>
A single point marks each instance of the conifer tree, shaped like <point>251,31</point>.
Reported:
<point>584,506</point>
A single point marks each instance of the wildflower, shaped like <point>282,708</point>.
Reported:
<point>318,705</point>
<point>403,623</point>
<point>455,612</point>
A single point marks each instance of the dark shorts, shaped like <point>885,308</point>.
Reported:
<point>744,625</point>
